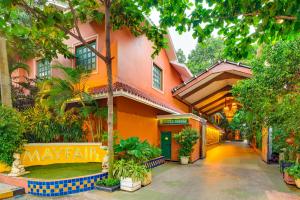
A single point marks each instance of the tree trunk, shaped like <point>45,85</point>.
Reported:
<point>110,88</point>
<point>4,75</point>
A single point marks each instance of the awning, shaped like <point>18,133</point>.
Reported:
<point>208,90</point>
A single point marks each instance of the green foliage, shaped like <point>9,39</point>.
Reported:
<point>129,169</point>
<point>11,134</point>
<point>279,140</point>
<point>41,125</point>
<point>44,28</point>
<point>293,171</point>
<point>243,23</point>
<point>134,149</point>
<point>109,182</point>
<point>206,54</point>
<point>187,138</point>
<point>271,97</point>
<point>180,56</point>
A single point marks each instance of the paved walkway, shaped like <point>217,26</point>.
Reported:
<point>231,171</point>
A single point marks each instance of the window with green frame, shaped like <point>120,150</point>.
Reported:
<point>43,69</point>
<point>85,57</point>
<point>157,77</point>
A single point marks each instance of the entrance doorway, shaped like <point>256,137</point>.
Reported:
<point>165,141</point>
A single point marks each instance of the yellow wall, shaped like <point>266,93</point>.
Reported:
<point>212,135</point>
<point>51,153</point>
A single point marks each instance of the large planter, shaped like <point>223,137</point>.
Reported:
<point>107,188</point>
<point>184,160</point>
<point>297,181</point>
<point>147,179</point>
<point>288,179</point>
<point>128,184</point>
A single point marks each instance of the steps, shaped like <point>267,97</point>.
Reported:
<point>8,191</point>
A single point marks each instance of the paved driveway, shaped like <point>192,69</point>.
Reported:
<point>231,171</point>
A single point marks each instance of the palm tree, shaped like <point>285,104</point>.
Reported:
<point>57,93</point>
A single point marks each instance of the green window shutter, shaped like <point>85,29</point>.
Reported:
<point>43,69</point>
<point>85,58</point>
<point>157,77</point>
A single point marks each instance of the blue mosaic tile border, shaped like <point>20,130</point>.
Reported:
<point>155,162</point>
<point>64,187</point>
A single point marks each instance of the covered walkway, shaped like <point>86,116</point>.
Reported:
<point>231,171</point>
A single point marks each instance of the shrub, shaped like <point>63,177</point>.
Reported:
<point>108,182</point>
<point>293,171</point>
<point>187,138</point>
<point>41,125</point>
<point>134,149</point>
<point>129,169</point>
<point>11,134</point>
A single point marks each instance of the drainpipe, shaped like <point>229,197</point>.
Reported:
<point>203,138</point>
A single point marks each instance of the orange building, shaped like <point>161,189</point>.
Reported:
<point>144,99</point>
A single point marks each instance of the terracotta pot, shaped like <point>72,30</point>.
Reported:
<point>184,160</point>
<point>297,181</point>
<point>288,179</point>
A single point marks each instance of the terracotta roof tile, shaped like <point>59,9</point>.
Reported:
<point>118,86</point>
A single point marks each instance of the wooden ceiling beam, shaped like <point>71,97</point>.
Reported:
<point>216,106</point>
<point>224,89</point>
<point>215,101</point>
<point>220,77</point>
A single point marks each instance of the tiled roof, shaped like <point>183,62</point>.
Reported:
<point>118,86</point>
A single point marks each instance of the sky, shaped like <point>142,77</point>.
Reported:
<point>185,41</point>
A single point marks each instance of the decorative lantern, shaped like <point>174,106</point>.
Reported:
<point>230,109</point>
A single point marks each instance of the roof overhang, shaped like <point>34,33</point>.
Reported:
<point>139,99</point>
<point>208,90</point>
<point>182,69</point>
<point>181,116</point>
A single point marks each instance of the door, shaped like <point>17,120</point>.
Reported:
<point>165,142</point>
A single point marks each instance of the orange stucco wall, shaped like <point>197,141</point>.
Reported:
<point>135,68</point>
<point>136,119</point>
<point>174,129</point>
<point>91,32</point>
<point>132,64</point>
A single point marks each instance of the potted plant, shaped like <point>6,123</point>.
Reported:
<point>130,173</point>
<point>138,151</point>
<point>186,139</point>
<point>109,185</point>
<point>287,176</point>
<point>147,178</point>
<point>294,175</point>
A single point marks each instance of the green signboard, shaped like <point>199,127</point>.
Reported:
<point>174,121</point>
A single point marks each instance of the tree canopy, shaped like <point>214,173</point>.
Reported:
<point>243,23</point>
<point>205,54</point>
<point>180,56</point>
<point>271,97</point>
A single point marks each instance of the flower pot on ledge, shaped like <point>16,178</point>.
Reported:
<point>184,160</point>
<point>288,179</point>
